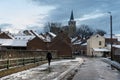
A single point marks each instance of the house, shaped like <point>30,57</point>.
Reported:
<point>40,42</point>
<point>49,36</point>
<point>116,52</point>
<point>8,41</point>
<point>37,43</point>
<point>118,38</point>
<point>78,48</point>
<point>108,39</point>
<point>96,45</point>
<point>62,43</point>
<point>6,44</point>
<point>5,35</point>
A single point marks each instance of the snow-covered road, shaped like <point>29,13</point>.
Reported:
<point>96,69</point>
<point>56,71</point>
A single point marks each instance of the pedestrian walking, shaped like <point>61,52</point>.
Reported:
<point>49,57</point>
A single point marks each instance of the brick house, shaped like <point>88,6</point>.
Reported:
<point>108,39</point>
<point>8,41</point>
<point>62,44</point>
<point>4,35</point>
<point>36,44</point>
<point>116,52</point>
<point>78,48</point>
<point>12,44</point>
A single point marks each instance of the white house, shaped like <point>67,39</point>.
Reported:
<point>96,45</point>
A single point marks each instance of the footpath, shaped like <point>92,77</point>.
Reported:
<point>59,70</point>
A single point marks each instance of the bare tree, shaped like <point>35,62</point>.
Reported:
<point>84,31</point>
<point>52,27</point>
<point>100,32</point>
<point>47,27</point>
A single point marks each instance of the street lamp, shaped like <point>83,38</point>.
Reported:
<point>111,39</point>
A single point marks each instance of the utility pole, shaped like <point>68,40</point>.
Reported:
<point>111,38</point>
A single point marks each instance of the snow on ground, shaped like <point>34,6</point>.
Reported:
<point>44,72</point>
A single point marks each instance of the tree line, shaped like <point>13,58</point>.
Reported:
<point>84,31</point>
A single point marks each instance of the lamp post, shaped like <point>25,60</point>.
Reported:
<point>111,39</point>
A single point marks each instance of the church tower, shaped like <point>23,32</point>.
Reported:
<point>71,25</point>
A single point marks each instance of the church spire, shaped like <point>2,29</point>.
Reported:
<point>71,17</point>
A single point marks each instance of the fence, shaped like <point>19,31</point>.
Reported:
<point>12,58</point>
<point>7,63</point>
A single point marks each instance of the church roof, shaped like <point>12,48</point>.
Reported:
<point>72,16</point>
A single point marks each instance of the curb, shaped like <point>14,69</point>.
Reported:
<point>62,75</point>
<point>113,63</point>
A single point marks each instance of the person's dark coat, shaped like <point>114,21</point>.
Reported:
<point>49,57</point>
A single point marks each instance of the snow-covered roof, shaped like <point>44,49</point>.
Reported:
<point>117,46</point>
<point>47,37</point>
<point>22,32</point>
<point>52,34</point>
<point>118,36</point>
<point>101,49</point>
<point>10,35</point>
<point>84,44</point>
<point>36,34</point>
<point>108,36</point>
<point>77,42</point>
<point>13,42</point>
<point>95,35</point>
<point>73,39</point>
<point>23,37</point>
<point>41,37</point>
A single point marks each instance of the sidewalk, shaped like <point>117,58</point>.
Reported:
<point>96,69</point>
<point>57,71</point>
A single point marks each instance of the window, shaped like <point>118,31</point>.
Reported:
<point>100,43</point>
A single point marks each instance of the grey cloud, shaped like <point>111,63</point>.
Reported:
<point>82,7</point>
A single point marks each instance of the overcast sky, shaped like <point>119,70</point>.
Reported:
<point>33,14</point>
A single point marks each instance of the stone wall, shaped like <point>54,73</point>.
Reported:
<point>10,54</point>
